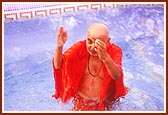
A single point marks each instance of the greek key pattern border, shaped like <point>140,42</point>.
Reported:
<point>56,10</point>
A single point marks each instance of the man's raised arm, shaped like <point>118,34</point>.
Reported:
<point>60,41</point>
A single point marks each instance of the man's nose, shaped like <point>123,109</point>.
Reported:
<point>92,46</point>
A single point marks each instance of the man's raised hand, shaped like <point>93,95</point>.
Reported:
<point>61,36</point>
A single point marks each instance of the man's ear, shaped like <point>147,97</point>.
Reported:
<point>109,39</point>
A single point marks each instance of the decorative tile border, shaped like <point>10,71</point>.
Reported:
<point>23,12</point>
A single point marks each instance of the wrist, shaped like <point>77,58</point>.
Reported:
<point>106,58</point>
<point>59,45</point>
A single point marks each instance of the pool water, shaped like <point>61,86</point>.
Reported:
<point>29,47</point>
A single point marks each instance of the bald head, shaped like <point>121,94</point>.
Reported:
<point>98,27</point>
<point>98,31</point>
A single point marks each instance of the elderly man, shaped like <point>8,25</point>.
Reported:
<point>90,71</point>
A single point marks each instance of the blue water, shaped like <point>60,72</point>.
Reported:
<point>29,46</point>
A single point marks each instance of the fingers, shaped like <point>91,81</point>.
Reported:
<point>100,46</point>
<point>60,29</point>
<point>61,36</point>
<point>65,35</point>
<point>62,32</point>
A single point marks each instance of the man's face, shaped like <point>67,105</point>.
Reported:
<point>90,41</point>
<point>90,44</point>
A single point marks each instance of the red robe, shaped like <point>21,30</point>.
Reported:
<point>67,78</point>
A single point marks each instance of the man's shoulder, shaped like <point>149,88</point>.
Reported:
<point>77,44</point>
<point>81,42</point>
<point>77,48</point>
<point>113,47</point>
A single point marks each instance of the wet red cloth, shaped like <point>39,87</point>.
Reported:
<point>82,104</point>
<point>67,78</point>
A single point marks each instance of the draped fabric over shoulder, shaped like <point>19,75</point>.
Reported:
<point>67,78</point>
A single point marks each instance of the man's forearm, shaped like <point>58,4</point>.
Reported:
<point>113,69</point>
<point>58,57</point>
